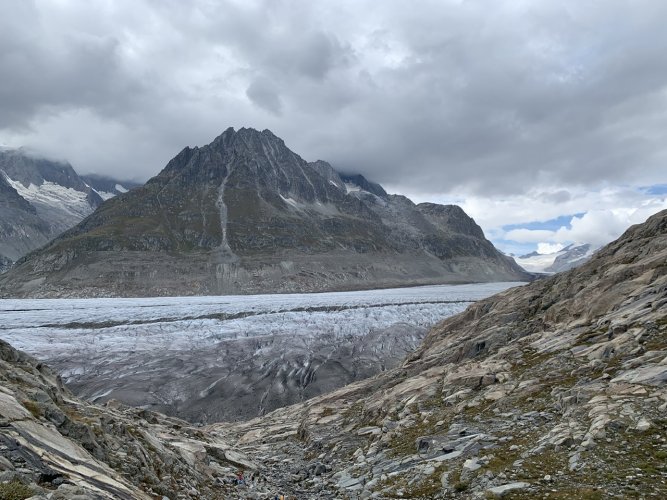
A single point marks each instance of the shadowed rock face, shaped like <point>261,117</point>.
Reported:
<point>245,214</point>
<point>20,226</point>
<point>533,390</point>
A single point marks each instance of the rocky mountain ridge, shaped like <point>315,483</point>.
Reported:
<point>245,214</point>
<point>39,199</point>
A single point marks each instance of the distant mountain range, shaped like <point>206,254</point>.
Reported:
<point>108,187</point>
<point>245,214</point>
<point>567,258</point>
<point>40,198</point>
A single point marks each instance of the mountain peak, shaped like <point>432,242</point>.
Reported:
<point>247,133</point>
<point>246,214</point>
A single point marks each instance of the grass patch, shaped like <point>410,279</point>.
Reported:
<point>14,490</point>
<point>33,408</point>
<point>405,441</point>
<point>570,494</point>
<point>327,412</point>
<point>458,485</point>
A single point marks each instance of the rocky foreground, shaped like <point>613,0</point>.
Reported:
<point>557,389</point>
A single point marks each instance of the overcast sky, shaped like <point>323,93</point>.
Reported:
<point>546,121</point>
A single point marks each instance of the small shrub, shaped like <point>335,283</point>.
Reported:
<point>14,490</point>
<point>33,408</point>
<point>460,486</point>
<point>327,412</point>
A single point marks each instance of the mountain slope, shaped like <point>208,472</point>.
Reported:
<point>39,199</point>
<point>245,214</point>
<point>556,386</point>
<point>21,229</point>
<point>571,257</point>
<point>52,443</point>
<point>567,258</point>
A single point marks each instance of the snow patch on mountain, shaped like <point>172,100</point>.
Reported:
<point>105,195</point>
<point>290,201</point>
<point>554,262</point>
<point>67,200</point>
<point>536,262</point>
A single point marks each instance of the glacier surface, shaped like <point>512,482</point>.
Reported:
<point>228,357</point>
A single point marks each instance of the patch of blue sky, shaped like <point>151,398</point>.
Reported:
<point>510,247</point>
<point>655,189</point>
<point>549,225</point>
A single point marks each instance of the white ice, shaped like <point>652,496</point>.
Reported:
<point>49,328</point>
<point>68,200</point>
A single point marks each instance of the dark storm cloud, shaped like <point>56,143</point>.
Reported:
<point>485,97</point>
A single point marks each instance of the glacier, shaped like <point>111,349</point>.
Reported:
<point>228,357</point>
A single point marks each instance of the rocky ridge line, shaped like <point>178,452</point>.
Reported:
<point>245,214</point>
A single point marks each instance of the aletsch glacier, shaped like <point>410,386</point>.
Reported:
<point>229,357</point>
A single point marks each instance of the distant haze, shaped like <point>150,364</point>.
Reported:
<point>519,111</point>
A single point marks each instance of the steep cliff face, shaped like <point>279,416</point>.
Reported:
<point>245,214</point>
<point>556,387</point>
<point>21,229</point>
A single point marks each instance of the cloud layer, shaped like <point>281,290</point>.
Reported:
<point>521,108</point>
<point>482,97</point>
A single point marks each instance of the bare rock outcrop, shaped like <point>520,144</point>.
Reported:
<point>52,443</point>
<point>560,385</point>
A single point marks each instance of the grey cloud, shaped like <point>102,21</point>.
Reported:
<point>45,72</point>
<point>558,197</point>
<point>490,98</point>
<point>262,93</point>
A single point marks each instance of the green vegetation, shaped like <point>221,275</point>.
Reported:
<point>428,487</point>
<point>14,490</point>
<point>33,408</point>
<point>456,482</point>
<point>566,494</point>
<point>404,442</point>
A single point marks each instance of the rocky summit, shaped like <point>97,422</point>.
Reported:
<point>556,389</point>
<point>245,214</point>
